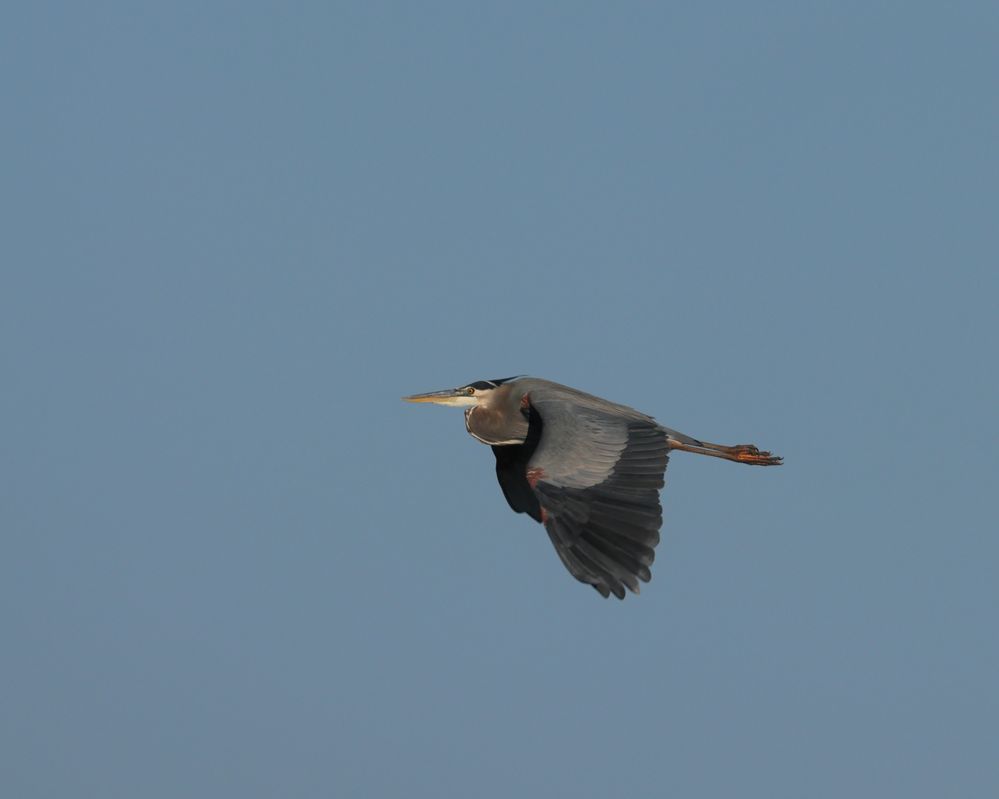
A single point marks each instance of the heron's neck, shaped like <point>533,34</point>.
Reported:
<point>492,426</point>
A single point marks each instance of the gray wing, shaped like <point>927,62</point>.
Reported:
<point>597,471</point>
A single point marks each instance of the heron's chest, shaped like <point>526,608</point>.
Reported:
<point>494,428</point>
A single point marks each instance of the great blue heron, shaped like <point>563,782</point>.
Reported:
<point>589,470</point>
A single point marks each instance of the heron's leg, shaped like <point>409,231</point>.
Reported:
<point>740,453</point>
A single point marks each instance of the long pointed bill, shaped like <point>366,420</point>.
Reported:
<point>455,397</point>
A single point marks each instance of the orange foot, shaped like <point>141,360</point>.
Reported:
<point>747,453</point>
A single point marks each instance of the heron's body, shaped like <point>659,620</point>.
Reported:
<point>589,470</point>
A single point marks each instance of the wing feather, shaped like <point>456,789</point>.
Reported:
<point>595,470</point>
<point>601,471</point>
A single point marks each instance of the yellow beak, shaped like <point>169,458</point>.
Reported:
<point>456,398</point>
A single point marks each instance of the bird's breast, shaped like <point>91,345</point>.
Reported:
<point>490,427</point>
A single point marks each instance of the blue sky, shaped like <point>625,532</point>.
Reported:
<point>234,564</point>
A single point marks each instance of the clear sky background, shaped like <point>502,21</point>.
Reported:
<point>234,564</point>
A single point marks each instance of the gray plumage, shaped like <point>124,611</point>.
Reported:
<point>588,469</point>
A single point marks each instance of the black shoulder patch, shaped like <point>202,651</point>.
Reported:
<point>511,470</point>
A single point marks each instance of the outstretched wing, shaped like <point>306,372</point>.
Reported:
<point>595,471</point>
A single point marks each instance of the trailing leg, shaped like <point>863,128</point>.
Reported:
<point>740,453</point>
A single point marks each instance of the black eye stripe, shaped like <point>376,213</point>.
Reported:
<point>486,385</point>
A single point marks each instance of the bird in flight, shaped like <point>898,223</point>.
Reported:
<point>588,469</point>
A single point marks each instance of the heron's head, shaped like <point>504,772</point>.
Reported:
<point>470,396</point>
